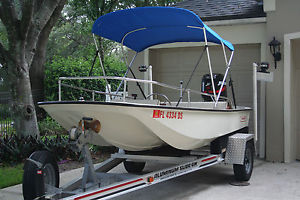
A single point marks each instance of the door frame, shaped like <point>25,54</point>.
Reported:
<point>288,144</point>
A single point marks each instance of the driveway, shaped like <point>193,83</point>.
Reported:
<point>269,181</point>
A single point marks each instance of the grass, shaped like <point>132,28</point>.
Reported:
<point>11,175</point>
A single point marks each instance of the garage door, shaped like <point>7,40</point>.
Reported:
<point>172,65</point>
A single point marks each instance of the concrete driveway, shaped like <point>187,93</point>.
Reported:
<point>269,181</point>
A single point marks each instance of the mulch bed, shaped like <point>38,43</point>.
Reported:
<point>67,165</point>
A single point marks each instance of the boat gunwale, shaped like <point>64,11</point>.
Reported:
<point>129,104</point>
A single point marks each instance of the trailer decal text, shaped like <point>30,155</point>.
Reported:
<point>167,114</point>
<point>173,171</point>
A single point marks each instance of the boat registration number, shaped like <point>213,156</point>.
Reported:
<point>167,114</point>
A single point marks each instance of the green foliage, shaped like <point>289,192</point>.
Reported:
<point>71,38</point>
<point>3,70</point>
<point>15,150</point>
<point>78,66</point>
<point>4,111</point>
<point>71,49</point>
<point>49,126</point>
<point>103,149</point>
<point>3,35</point>
<point>143,3</point>
<point>72,35</point>
<point>92,9</point>
<point>11,175</point>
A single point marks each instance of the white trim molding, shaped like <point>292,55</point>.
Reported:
<point>269,5</point>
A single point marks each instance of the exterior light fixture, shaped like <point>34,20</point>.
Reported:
<point>143,68</point>
<point>275,50</point>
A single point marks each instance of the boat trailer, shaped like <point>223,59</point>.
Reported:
<point>97,183</point>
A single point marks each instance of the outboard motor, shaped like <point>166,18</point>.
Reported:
<point>206,86</point>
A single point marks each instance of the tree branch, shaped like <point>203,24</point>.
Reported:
<point>9,11</point>
<point>1,13</point>
<point>27,13</point>
<point>38,5</point>
<point>3,54</point>
<point>41,18</point>
<point>10,21</point>
<point>112,5</point>
<point>44,35</point>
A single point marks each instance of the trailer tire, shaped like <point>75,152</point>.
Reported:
<point>134,167</point>
<point>35,176</point>
<point>244,172</point>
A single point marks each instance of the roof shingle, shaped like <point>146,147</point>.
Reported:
<point>211,10</point>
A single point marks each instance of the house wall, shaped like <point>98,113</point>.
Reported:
<point>285,19</point>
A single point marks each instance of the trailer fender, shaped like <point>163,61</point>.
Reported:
<point>235,151</point>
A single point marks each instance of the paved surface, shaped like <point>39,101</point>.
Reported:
<point>269,181</point>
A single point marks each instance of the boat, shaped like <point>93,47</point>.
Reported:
<point>144,124</point>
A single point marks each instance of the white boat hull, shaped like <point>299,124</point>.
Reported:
<point>136,127</point>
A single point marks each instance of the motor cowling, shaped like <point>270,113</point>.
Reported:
<point>206,86</point>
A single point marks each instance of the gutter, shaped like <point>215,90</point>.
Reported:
<point>236,21</point>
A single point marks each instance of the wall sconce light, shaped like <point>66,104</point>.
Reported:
<point>275,50</point>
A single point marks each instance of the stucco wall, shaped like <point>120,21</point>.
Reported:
<point>285,19</point>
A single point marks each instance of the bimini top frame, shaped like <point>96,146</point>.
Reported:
<point>143,27</point>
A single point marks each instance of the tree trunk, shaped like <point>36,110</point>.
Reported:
<point>37,68</point>
<point>22,104</point>
<point>25,23</point>
<point>37,74</point>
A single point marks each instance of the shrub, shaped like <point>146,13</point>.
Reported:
<point>15,150</point>
<point>75,67</point>
<point>49,126</point>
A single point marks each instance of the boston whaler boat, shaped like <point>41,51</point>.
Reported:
<point>148,129</point>
<point>137,125</point>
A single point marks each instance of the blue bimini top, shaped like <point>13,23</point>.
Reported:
<point>143,27</point>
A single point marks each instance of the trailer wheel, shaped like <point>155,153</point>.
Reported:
<point>243,172</point>
<point>40,171</point>
<point>134,167</point>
